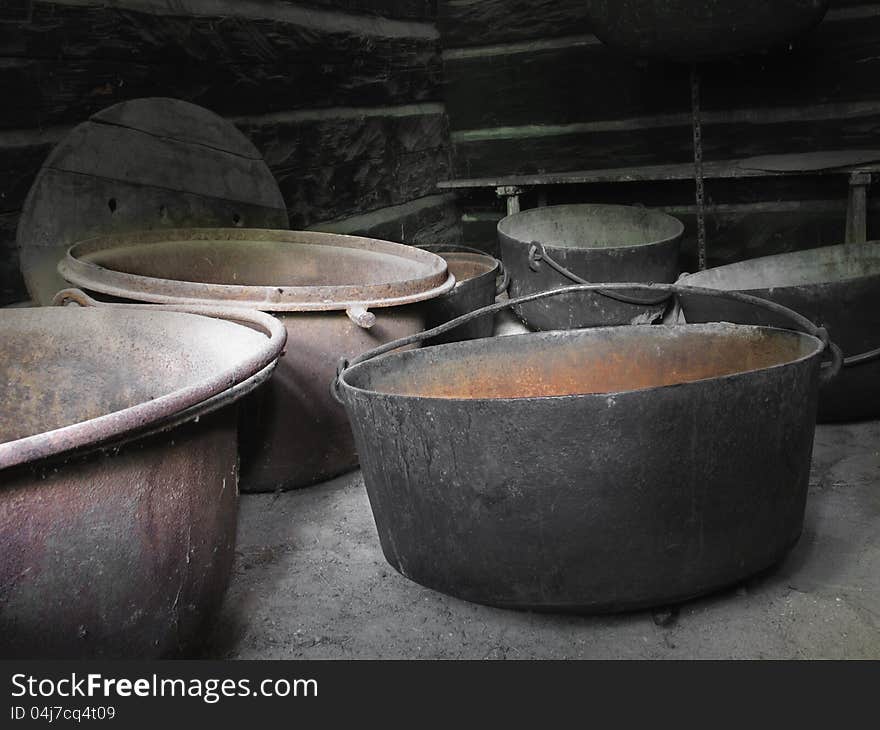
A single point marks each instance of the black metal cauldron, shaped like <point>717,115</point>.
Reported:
<point>837,287</point>
<point>479,278</point>
<point>545,248</point>
<point>589,470</point>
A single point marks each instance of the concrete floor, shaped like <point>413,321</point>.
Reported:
<point>310,582</point>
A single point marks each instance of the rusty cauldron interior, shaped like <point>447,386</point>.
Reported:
<point>838,287</point>
<point>321,286</point>
<point>588,470</point>
<point>118,474</point>
<point>594,243</point>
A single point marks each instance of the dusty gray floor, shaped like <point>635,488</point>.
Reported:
<point>311,582</point>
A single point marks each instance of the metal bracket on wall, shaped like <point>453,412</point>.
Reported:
<point>857,208</point>
<point>511,193</point>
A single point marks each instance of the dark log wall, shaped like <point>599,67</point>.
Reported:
<point>529,89</point>
<point>342,97</point>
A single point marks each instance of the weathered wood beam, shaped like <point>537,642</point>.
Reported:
<point>327,162</point>
<point>432,219</point>
<point>663,140</point>
<point>296,13</point>
<point>479,22</point>
<point>71,61</point>
<point>576,79</point>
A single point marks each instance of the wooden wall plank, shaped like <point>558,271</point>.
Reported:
<point>361,186</point>
<point>629,147</point>
<point>585,80</point>
<point>71,61</point>
<point>294,143</point>
<point>347,166</point>
<point>432,219</point>
<point>482,22</point>
<point>409,9</point>
<point>576,83</point>
<point>325,167</point>
<point>339,95</point>
<point>99,31</point>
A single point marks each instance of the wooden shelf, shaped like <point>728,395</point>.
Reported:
<point>512,186</point>
<point>725,169</point>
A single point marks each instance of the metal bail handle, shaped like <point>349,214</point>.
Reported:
<point>861,358</point>
<point>801,323</point>
<point>538,253</point>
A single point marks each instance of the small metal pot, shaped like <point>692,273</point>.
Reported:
<point>479,278</point>
<point>321,286</point>
<point>546,248</point>
<point>837,287</point>
<point>119,472</point>
<point>589,470</point>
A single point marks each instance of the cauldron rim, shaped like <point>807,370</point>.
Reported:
<point>207,393</point>
<point>346,387</point>
<point>432,281</point>
<point>705,278</point>
<point>505,224</point>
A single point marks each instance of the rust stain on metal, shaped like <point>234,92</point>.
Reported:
<point>614,361</point>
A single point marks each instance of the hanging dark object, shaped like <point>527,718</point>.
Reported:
<point>685,30</point>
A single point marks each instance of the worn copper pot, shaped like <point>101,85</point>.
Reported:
<point>589,470</point>
<point>549,247</point>
<point>837,287</point>
<point>118,474</point>
<point>321,286</point>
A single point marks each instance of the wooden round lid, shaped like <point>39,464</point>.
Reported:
<point>141,165</point>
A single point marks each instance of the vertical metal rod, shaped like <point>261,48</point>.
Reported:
<point>857,208</point>
<point>698,166</point>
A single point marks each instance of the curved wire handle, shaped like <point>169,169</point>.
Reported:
<point>830,369</point>
<point>538,253</point>
<point>861,358</point>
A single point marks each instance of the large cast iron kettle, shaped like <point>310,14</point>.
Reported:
<point>698,30</point>
<point>592,469</point>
